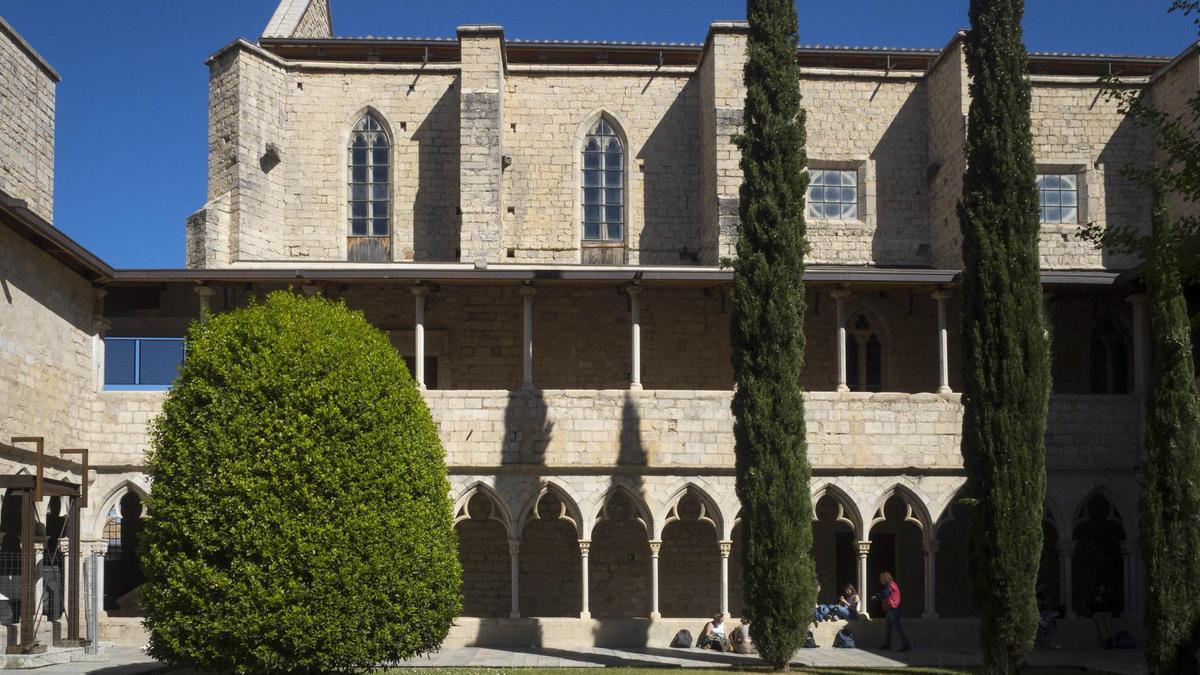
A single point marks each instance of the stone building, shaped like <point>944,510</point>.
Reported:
<point>538,226</point>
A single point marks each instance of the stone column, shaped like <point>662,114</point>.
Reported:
<point>864,548</point>
<point>585,546</point>
<point>726,547</point>
<point>39,584</point>
<point>1065,550</point>
<point>635,320</point>
<point>839,297</point>
<point>419,293</point>
<point>1127,599</point>
<point>527,337</point>
<point>931,548</point>
<point>655,547</point>
<point>514,550</point>
<point>310,290</point>
<point>1139,342</point>
<point>940,298</point>
<point>205,294</point>
<point>64,551</point>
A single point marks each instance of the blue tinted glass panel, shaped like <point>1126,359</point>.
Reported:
<point>160,361</point>
<point>120,361</point>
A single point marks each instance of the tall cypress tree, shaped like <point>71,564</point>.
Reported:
<point>768,340</point>
<point>1171,498</point>
<point>1006,357</point>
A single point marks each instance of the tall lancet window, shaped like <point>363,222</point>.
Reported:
<point>603,184</point>
<point>370,179</point>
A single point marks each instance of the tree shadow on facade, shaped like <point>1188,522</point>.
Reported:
<point>900,236</point>
<point>1126,203</point>
<point>435,223</point>
<point>670,162</point>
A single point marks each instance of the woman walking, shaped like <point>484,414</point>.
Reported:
<point>889,597</point>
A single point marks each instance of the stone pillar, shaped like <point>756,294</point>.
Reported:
<point>205,294</point>
<point>481,125</point>
<point>940,298</point>
<point>726,547</point>
<point>839,297</point>
<point>584,547</point>
<point>64,551</point>
<point>931,548</point>
<point>514,550</point>
<point>655,547</point>
<point>527,337</point>
<point>1139,342</point>
<point>864,548</point>
<point>1127,600</point>
<point>722,98</point>
<point>419,293</point>
<point>635,322</point>
<point>1065,550</point>
<point>39,584</point>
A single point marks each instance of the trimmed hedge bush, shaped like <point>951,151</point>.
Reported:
<point>301,512</point>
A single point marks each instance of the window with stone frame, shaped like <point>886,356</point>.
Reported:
<point>832,194</point>
<point>603,184</point>
<point>1058,198</point>
<point>1109,355</point>
<point>864,356</point>
<point>370,179</point>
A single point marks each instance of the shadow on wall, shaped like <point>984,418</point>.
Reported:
<point>671,179</point>
<point>902,228</point>
<point>436,226</point>
<point>1125,202</point>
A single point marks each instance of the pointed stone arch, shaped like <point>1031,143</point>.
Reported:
<point>569,511</point>
<point>916,513</point>
<point>848,512</point>
<point>641,509</point>
<point>500,512</point>
<point>112,500</point>
<point>710,512</point>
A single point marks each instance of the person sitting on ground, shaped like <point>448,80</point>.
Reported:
<point>713,636</point>
<point>1102,613</point>
<point>847,607</point>
<point>742,644</point>
<point>1047,622</point>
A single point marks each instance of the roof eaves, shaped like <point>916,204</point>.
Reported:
<point>49,238</point>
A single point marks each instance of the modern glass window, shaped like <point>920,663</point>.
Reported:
<point>1058,197</point>
<point>142,363</point>
<point>864,356</point>
<point>370,179</point>
<point>833,194</point>
<point>603,184</point>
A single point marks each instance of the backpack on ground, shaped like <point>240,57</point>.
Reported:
<point>809,641</point>
<point>682,639</point>
<point>1123,640</point>
<point>844,639</point>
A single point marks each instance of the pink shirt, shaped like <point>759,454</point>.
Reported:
<point>891,595</point>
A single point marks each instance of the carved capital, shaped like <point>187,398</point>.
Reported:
<point>514,547</point>
<point>655,547</point>
<point>420,291</point>
<point>840,294</point>
<point>726,548</point>
<point>527,291</point>
<point>864,548</point>
<point>585,546</point>
<point>941,295</point>
<point>634,291</point>
<point>205,292</point>
<point>311,290</point>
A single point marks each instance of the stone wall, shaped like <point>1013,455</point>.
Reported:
<point>876,126</point>
<point>1170,92</point>
<point>946,85</point>
<point>26,123</point>
<point>723,95</point>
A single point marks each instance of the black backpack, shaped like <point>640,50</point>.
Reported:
<point>809,641</point>
<point>1124,640</point>
<point>844,640</point>
<point>682,639</point>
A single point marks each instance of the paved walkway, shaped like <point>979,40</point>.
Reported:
<point>1117,661</point>
<point>113,661</point>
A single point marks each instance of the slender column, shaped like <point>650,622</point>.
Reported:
<point>527,344</point>
<point>655,547</point>
<point>1127,577</point>
<point>864,548</point>
<point>39,583</point>
<point>419,293</point>
<point>584,547</point>
<point>1139,342</point>
<point>69,602</point>
<point>726,547</point>
<point>931,548</point>
<point>514,550</point>
<point>943,343</point>
<point>205,294</point>
<point>635,316</point>
<point>1065,550</point>
<point>839,297</point>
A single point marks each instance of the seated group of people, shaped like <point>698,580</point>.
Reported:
<point>845,609</point>
<point>714,637</point>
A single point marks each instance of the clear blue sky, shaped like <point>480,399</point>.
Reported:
<point>132,106</point>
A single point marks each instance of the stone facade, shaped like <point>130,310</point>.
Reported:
<point>26,123</point>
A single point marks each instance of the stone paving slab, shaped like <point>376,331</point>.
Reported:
<point>113,661</point>
<point>1128,662</point>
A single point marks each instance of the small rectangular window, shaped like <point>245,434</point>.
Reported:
<point>1058,197</point>
<point>832,194</point>
<point>142,363</point>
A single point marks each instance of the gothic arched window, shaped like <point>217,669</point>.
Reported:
<point>1109,359</point>
<point>864,356</point>
<point>603,184</point>
<point>369,158</point>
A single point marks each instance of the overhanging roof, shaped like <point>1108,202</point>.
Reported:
<point>16,214</point>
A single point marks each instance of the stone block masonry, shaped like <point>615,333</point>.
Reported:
<point>26,123</point>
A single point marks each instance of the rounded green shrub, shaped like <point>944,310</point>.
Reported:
<point>301,511</point>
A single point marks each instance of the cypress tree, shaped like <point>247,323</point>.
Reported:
<point>1170,510</point>
<point>768,340</point>
<point>1006,360</point>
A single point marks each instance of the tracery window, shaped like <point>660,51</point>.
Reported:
<point>369,158</point>
<point>1109,356</point>
<point>832,194</point>
<point>603,184</point>
<point>1058,197</point>
<point>864,356</point>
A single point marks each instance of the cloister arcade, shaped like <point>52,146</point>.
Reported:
<point>555,551</point>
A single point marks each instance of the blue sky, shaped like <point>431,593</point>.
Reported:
<point>132,106</point>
